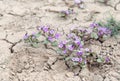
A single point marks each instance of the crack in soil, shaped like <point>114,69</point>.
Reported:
<point>7,41</point>
<point>67,4</point>
<point>15,14</point>
<point>50,48</point>
<point>49,67</point>
<point>115,7</point>
<point>106,3</point>
<point>13,44</point>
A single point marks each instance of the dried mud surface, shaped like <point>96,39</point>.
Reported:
<point>19,62</point>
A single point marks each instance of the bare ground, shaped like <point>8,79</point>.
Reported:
<point>19,62</point>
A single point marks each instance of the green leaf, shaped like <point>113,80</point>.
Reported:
<point>87,54</point>
<point>83,65</point>
<point>35,40</point>
<point>37,35</point>
<point>26,41</point>
<point>67,58</point>
<point>105,37</point>
<point>99,60</point>
<point>82,42</point>
<point>94,35</point>
<point>59,51</point>
<point>62,15</point>
<point>45,41</point>
<point>75,63</point>
<point>35,45</point>
<point>80,34</point>
<point>54,43</point>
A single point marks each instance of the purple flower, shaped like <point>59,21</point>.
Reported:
<point>50,39</point>
<point>57,35</point>
<point>33,37</point>
<point>25,36</point>
<point>45,29</point>
<point>80,59</point>
<point>77,41</point>
<point>107,59</point>
<point>82,29</point>
<point>40,27</point>
<point>80,46</point>
<point>65,51</point>
<point>71,47</point>
<point>62,44</point>
<point>93,25</point>
<point>70,35</point>
<point>87,49</point>
<point>76,59</point>
<point>103,30</point>
<point>33,33</point>
<point>51,31</point>
<point>67,12</point>
<point>79,53</point>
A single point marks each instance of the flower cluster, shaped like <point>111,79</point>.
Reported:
<point>94,32</point>
<point>100,33</point>
<point>111,24</point>
<point>73,51</point>
<point>73,48</point>
<point>49,33</point>
<point>31,39</point>
<point>70,44</point>
<point>50,36</point>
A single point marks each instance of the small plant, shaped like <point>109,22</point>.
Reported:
<point>76,54</point>
<point>111,24</point>
<point>79,3</point>
<point>73,48</point>
<point>66,13</point>
<point>94,32</point>
<point>50,37</point>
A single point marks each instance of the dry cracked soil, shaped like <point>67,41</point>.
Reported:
<point>20,62</point>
